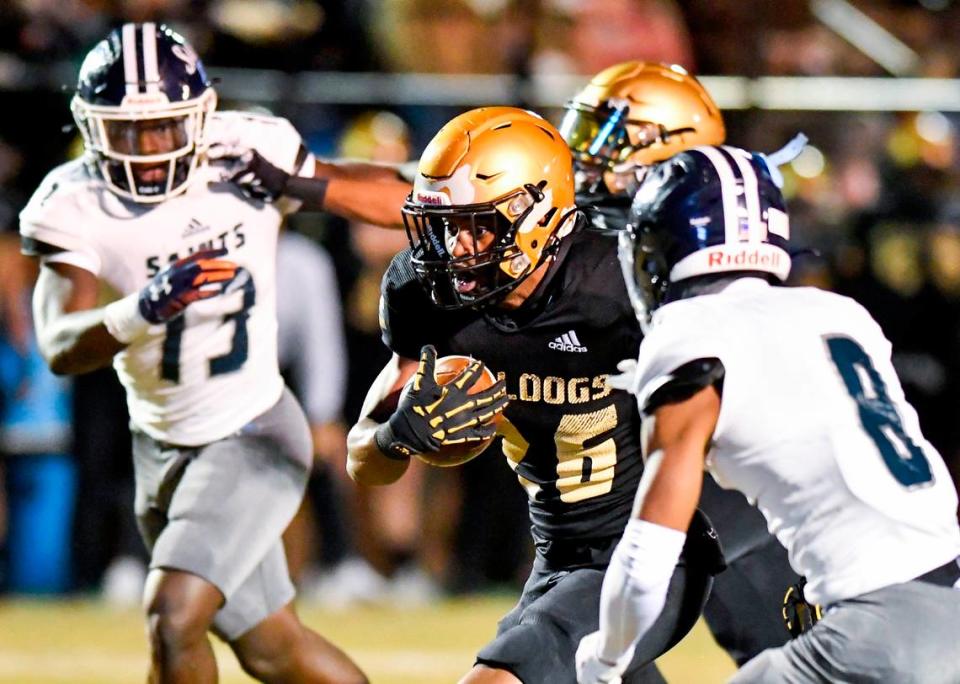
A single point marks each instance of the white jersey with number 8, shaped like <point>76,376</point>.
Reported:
<point>204,375</point>
<point>814,429</point>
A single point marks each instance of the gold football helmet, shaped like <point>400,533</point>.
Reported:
<point>639,113</point>
<point>492,198</point>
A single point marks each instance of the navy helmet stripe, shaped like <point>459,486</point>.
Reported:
<point>129,48</point>
<point>728,191</point>
<point>151,72</point>
<point>138,33</point>
<point>751,190</point>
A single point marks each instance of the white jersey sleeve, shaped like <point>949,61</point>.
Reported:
<point>676,338</point>
<point>815,430</point>
<point>51,216</point>
<point>273,137</point>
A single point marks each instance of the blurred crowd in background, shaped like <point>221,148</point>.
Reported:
<point>875,198</point>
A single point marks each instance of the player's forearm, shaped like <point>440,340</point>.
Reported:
<point>366,464</point>
<point>377,203</point>
<point>363,191</point>
<point>356,171</point>
<point>635,586</point>
<point>78,343</point>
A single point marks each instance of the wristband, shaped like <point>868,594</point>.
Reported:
<point>123,319</point>
<point>311,191</point>
<point>388,446</point>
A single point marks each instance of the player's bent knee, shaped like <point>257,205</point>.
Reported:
<point>175,629</point>
<point>180,608</point>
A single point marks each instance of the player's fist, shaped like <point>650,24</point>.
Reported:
<point>432,415</point>
<point>251,173</point>
<point>591,669</point>
<point>198,276</point>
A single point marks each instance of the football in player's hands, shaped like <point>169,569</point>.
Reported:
<point>446,370</point>
<point>444,418</point>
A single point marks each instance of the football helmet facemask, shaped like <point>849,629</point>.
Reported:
<point>638,113</point>
<point>706,211</point>
<point>492,198</point>
<point>142,104</point>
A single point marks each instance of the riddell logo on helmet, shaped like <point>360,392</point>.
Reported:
<point>746,257</point>
<point>144,99</point>
<point>434,199</point>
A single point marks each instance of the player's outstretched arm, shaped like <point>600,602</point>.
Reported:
<point>635,586</point>
<point>364,191</point>
<point>358,191</point>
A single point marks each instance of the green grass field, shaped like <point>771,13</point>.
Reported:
<point>84,642</point>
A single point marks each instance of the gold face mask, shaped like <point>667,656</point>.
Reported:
<point>493,192</point>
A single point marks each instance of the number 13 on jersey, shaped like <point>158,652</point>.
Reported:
<point>226,363</point>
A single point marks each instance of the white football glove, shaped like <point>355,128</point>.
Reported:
<point>591,669</point>
<point>627,378</point>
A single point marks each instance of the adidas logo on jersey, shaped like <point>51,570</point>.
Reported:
<point>568,342</point>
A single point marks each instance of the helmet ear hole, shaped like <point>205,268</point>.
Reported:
<point>547,217</point>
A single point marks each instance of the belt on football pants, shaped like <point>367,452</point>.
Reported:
<point>947,575</point>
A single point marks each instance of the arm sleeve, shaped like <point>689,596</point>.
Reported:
<point>635,586</point>
<point>84,260</point>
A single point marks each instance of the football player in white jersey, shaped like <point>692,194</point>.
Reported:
<point>222,450</point>
<point>788,395</point>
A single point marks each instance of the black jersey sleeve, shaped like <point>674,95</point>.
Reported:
<point>405,310</point>
<point>686,381</point>
<point>37,248</point>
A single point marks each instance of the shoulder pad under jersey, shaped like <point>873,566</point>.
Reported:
<point>405,309</point>
<point>58,215</point>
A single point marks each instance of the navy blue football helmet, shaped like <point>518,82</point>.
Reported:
<point>709,210</point>
<point>142,103</point>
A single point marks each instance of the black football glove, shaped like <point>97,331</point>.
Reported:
<point>799,615</point>
<point>432,415</point>
<point>252,174</point>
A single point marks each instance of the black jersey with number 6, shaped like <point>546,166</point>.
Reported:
<point>573,442</point>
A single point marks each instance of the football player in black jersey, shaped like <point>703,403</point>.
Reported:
<point>503,268</point>
<point>629,117</point>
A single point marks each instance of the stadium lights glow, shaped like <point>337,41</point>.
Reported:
<point>810,163</point>
<point>933,127</point>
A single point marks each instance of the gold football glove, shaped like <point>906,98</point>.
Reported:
<point>799,615</point>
